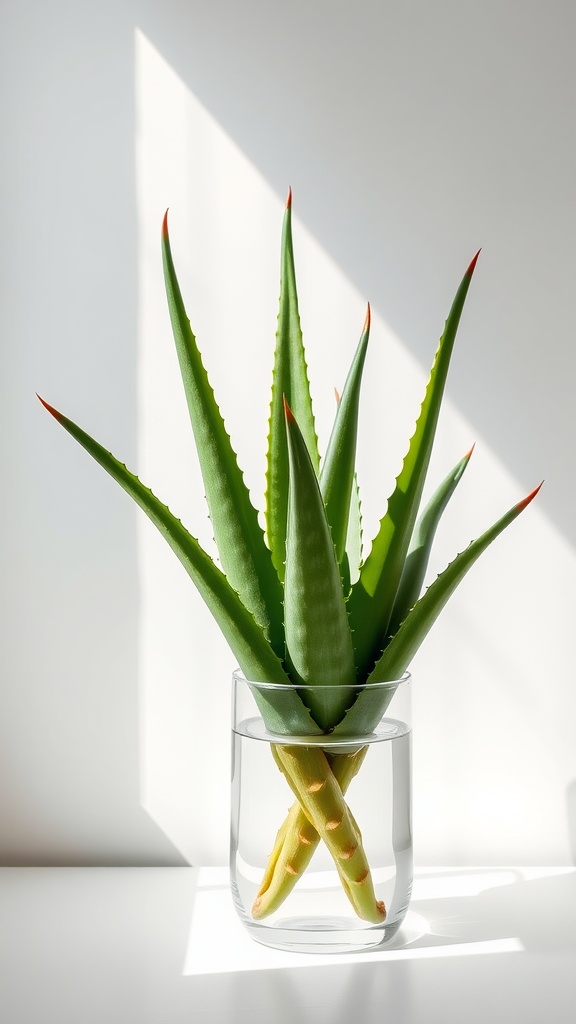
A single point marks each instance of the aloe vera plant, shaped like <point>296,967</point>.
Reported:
<point>297,603</point>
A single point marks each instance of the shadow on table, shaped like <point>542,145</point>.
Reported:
<point>538,913</point>
<point>466,921</point>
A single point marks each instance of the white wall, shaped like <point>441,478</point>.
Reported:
<point>411,134</point>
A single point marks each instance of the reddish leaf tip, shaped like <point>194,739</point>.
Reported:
<point>53,412</point>
<point>469,454</point>
<point>337,396</point>
<point>526,501</point>
<point>288,411</point>
<point>367,320</point>
<point>165,226</point>
<point>472,264</point>
<point>289,199</point>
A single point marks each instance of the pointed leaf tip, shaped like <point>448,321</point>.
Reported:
<point>337,396</point>
<point>165,225</point>
<point>367,320</point>
<point>289,199</point>
<point>53,412</point>
<point>472,264</point>
<point>290,418</point>
<point>469,454</point>
<point>526,501</point>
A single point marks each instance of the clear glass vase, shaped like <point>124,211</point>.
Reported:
<point>321,827</point>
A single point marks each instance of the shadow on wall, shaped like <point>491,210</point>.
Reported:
<point>69,591</point>
<point>412,164</point>
<point>571,810</point>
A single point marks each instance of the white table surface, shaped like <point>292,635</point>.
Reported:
<point>163,945</point>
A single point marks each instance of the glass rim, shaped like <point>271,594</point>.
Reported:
<point>391,684</point>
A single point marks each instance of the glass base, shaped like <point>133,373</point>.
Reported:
<point>320,935</point>
<point>320,922</point>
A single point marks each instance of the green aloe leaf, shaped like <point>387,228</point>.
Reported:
<point>319,649</point>
<point>352,560</point>
<point>290,381</point>
<point>372,598</point>
<point>421,544</point>
<point>415,627</point>
<point>239,538</point>
<point>369,706</point>
<point>283,711</point>
<point>337,472</point>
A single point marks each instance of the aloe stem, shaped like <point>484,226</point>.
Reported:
<point>309,776</point>
<point>296,841</point>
